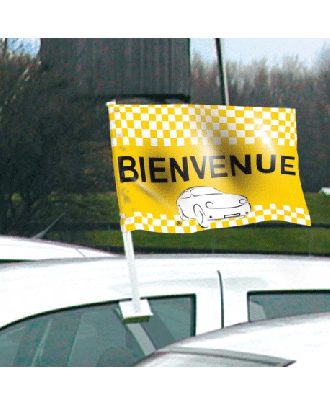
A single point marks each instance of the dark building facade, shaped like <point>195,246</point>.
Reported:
<point>108,68</point>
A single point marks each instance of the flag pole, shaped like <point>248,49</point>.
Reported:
<point>137,309</point>
<point>129,252</point>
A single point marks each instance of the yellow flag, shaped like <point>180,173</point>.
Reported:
<point>187,168</point>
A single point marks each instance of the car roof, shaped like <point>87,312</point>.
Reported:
<point>14,248</point>
<point>292,338</point>
<point>33,287</point>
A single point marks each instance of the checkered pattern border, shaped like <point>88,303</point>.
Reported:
<point>165,224</point>
<point>181,125</point>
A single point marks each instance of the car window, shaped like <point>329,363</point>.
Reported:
<point>205,191</point>
<point>95,335</point>
<point>272,304</point>
<point>173,320</point>
<point>186,194</point>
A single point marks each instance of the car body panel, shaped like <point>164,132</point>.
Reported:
<point>296,339</point>
<point>31,249</point>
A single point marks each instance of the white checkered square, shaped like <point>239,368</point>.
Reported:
<point>174,224</point>
<point>202,121</point>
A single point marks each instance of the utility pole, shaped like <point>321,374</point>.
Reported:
<point>224,96</point>
<point>222,72</point>
<point>4,47</point>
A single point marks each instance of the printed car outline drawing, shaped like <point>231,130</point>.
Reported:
<point>206,204</point>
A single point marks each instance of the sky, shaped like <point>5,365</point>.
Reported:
<point>274,49</point>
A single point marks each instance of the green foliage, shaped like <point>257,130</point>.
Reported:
<point>319,207</point>
<point>303,240</point>
<point>103,208</point>
<point>75,208</point>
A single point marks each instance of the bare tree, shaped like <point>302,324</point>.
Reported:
<point>45,143</point>
<point>289,84</point>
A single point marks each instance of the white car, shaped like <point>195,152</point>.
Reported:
<point>29,249</point>
<point>297,341</point>
<point>207,204</point>
<point>67,312</point>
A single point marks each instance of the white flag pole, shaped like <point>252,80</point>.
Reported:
<point>137,309</point>
<point>134,310</point>
<point>129,252</point>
